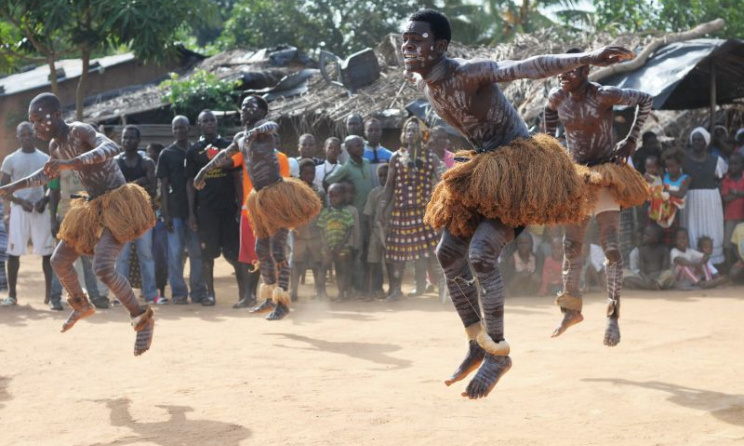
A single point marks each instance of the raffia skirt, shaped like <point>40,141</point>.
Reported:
<point>126,212</point>
<point>626,185</point>
<point>285,204</point>
<point>528,181</point>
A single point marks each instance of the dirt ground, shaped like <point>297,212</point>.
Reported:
<point>371,373</point>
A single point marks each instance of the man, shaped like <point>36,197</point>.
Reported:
<point>113,213</point>
<point>585,110</point>
<point>274,205</point>
<point>373,150</point>
<point>214,210</point>
<point>308,148</point>
<point>480,202</point>
<point>140,170</point>
<point>354,124</point>
<point>27,217</point>
<point>174,208</point>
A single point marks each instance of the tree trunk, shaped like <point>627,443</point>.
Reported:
<point>53,74</point>
<point>640,60</point>
<point>80,94</point>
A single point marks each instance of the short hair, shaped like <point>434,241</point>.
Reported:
<point>262,104</point>
<point>673,153</point>
<point>354,115</point>
<point>155,146</point>
<point>305,135</point>
<point>330,140</point>
<point>305,162</point>
<point>133,128</point>
<point>24,124</point>
<point>647,135</point>
<point>352,138</point>
<point>702,239</point>
<point>574,50</point>
<point>372,121</point>
<point>46,100</point>
<point>440,25</point>
<point>180,118</point>
<point>653,158</point>
<point>204,112</point>
<point>680,230</point>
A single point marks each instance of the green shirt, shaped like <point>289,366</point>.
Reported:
<point>335,224</point>
<point>357,173</point>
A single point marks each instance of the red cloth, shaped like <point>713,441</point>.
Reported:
<point>552,273</point>
<point>733,210</point>
<point>247,241</point>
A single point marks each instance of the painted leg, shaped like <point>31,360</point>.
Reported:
<point>485,247</point>
<point>609,223</point>
<point>62,262</point>
<point>570,300</point>
<point>280,294</point>
<point>452,254</point>
<point>104,265</point>
<point>268,274</point>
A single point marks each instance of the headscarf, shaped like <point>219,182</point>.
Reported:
<point>704,133</point>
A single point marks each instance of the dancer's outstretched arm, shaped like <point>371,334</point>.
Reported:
<point>625,96</point>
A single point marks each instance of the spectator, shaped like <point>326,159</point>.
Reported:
<point>665,204</point>
<point>520,268</point>
<point>732,193</point>
<point>308,148</point>
<point>703,213</point>
<point>720,146</point>
<point>736,272</point>
<point>175,211</point>
<point>410,182</point>
<point>27,213</point>
<point>332,149</point>
<point>692,268</point>
<point>358,275</point>
<point>214,210</point>
<point>439,142</point>
<point>336,224</point>
<point>650,146</point>
<point>654,264</point>
<point>159,233</point>
<point>376,246</point>
<point>354,127</point>
<point>306,240</point>
<point>552,270</point>
<point>373,151</point>
<point>4,253</point>
<point>739,141</point>
<point>138,169</point>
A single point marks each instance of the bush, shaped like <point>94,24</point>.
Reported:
<point>201,90</point>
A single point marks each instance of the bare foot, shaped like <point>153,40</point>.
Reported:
<point>144,337</point>
<point>489,373</point>
<point>612,332</point>
<point>570,317</point>
<point>265,307</point>
<point>279,312</point>
<point>85,310</point>
<point>471,362</point>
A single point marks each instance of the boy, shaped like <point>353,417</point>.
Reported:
<point>336,225</point>
<point>332,149</point>
<point>376,246</point>
<point>654,263</point>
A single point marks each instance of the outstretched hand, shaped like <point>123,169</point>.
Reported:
<point>200,180</point>
<point>609,55</point>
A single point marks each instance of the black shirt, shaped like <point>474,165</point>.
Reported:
<point>132,173</point>
<point>219,191</point>
<point>171,166</point>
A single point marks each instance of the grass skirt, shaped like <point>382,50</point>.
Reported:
<point>125,211</point>
<point>529,181</point>
<point>285,204</point>
<point>626,185</point>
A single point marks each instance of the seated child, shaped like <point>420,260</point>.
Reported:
<point>654,265</point>
<point>552,272</point>
<point>692,268</point>
<point>521,267</point>
<point>336,224</point>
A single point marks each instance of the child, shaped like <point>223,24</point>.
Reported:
<point>336,224</point>
<point>732,193</point>
<point>307,245</point>
<point>691,267</point>
<point>654,267</point>
<point>357,240</point>
<point>376,246</point>
<point>524,278</point>
<point>552,273</point>
<point>332,149</point>
<point>676,185</point>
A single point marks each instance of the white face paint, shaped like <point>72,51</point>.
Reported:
<point>431,48</point>
<point>41,109</point>
<point>48,116</point>
<point>426,35</point>
<point>49,123</point>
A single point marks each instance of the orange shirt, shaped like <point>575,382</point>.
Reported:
<point>247,185</point>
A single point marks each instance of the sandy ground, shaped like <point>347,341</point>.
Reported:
<point>371,373</point>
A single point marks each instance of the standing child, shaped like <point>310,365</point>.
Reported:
<point>336,224</point>
<point>552,272</point>
<point>732,193</point>
<point>376,247</point>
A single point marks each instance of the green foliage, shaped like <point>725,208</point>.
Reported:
<point>200,91</point>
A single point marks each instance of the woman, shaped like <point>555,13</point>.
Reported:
<point>703,212</point>
<point>411,178</point>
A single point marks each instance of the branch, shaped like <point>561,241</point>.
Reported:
<point>655,44</point>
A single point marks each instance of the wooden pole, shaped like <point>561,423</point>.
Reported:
<point>712,96</point>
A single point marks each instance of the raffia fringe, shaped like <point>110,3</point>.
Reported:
<point>285,205</point>
<point>568,302</point>
<point>626,185</point>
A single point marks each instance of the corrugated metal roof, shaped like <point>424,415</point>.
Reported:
<point>39,76</point>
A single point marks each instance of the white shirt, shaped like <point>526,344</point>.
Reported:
<point>323,170</point>
<point>19,165</point>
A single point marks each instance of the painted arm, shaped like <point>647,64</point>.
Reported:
<point>38,178</point>
<point>550,118</point>
<point>538,67</point>
<point>642,101</point>
<point>82,134</point>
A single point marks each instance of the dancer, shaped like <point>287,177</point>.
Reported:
<point>275,205</point>
<point>510,180</point>
<point>585,110</point>
<point>114,212</point>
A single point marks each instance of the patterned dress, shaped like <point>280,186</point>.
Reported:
<point>408,238</point>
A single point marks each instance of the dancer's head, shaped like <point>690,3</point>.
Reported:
<point>574,80</point>
<point>207,122</point>
<point>45,115</point>
<point>426,36</point>
<point>130,138</point>
<point>25,136</point>
<point>253,109</point>
<point>180,127</point>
